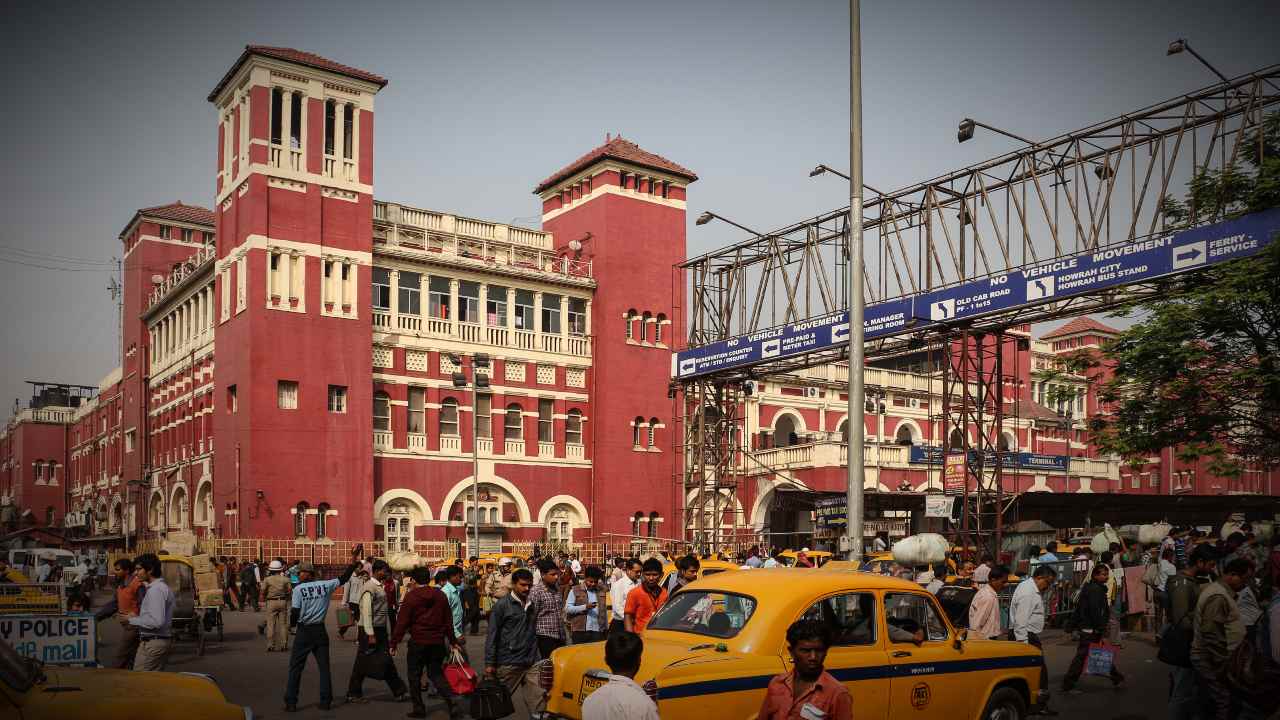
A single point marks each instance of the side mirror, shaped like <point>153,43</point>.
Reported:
<point>961,636</point>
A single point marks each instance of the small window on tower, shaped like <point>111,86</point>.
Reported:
<point>277,108</point>
<point>188,235</point>
<point>287,394</point>
<point>295,122</point>
<point>337,398</point>
<point>231,399</point>
<point>330,111</point>
<point>348,129</point>
<point>208,238</point>
<point>164,232</point>
<point>623,179</point>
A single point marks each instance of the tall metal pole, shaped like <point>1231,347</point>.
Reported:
<point>857,393</point>
<point>475,463</point>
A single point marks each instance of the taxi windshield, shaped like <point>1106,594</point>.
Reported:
<point>705,612</point>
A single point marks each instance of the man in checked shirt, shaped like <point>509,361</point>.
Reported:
<point>548,611</point>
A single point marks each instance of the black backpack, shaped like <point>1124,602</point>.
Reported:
<point>1175,642</point>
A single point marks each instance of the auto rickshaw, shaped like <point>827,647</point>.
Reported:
<point>188,618</point>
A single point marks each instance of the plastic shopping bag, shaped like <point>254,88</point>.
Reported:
<point>1102,657</point>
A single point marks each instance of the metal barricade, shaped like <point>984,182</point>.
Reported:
<point>33,598</point>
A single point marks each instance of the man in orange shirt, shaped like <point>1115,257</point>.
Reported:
<point>124,605</point>
<point>808,692</point>
<point>644,601</point>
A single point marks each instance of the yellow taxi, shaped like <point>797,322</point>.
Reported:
<point>30,690</point>
<point>718,642</point>
<point>705,569</point>
<point>18,596</point>
<point>817,557</point>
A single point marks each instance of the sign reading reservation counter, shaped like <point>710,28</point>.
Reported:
<point>52,639</point>
<point>1037,283</point>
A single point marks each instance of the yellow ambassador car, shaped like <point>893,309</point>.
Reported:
<point>712,649</point>
<point>32,691</point>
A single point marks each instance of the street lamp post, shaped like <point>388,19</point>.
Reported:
<point>478,381</point>
<point>857,426</point>
<point>821,169</point>
<point>1181,44</point>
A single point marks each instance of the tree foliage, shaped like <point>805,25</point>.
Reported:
<point>1201,372</point>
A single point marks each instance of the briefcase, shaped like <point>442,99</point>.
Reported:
<point>491,700</point>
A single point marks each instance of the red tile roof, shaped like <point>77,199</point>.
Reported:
<point>296,56</point>
<point>179,212</point>
<point>1081,325</point>
<point>618,148</point>
<point>1034,411</point>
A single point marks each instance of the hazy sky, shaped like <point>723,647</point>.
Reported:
<point>106,110</point>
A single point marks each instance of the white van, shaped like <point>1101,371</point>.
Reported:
<point>26,561</point>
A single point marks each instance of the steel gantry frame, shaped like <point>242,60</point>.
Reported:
<point>1099,187</point>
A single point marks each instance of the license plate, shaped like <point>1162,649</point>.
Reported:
<point>589,685</point>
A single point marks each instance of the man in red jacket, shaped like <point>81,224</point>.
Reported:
<point>426,616</point>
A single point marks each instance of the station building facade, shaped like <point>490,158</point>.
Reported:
<point>300,361</point>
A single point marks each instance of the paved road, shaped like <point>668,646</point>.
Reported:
<point>249,675</point>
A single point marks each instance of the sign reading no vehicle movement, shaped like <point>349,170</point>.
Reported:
<point>52,639</point>
<point>1031,285</point>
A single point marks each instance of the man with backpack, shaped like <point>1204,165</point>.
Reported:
<point>249,580</point>
<point>1182,591</point>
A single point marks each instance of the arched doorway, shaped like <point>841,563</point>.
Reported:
<point>179,504</point>
<point>155,511</point>
<point>398,522</point>
<point>956,439</point>
<point>204,504</point>
<point>906,435</point>
<point>786,431</point>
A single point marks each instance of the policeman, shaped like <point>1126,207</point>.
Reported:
<point>309,608</point>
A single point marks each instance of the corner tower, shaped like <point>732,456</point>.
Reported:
<point>624,208</point>
<point>294,244</point>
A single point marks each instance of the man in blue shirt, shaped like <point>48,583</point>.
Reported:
<point>452,589</point>
<point>310,608</point>
<point>154,620</point>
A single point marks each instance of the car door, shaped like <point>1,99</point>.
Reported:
<point>928,679</point>
<point>857,654</point>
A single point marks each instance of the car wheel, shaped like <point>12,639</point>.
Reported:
<point>1005,704</point>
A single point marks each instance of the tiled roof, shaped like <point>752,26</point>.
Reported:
<point>1081,325</point>
<point>618,148</point>
<point>179,212</point>
<point>296,56</point>
<point>1033,410</point>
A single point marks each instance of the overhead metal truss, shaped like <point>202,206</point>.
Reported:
<point>1099,186</point>
<point>1104,185</point>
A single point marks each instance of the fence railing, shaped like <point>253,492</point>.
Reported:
<point>33,598</point>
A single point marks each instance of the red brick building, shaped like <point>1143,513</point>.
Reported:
<point>289,359</point>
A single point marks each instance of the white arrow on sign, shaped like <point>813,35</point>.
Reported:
<point>942,310</point>
<point>840,333</point>
<point>770,348</point>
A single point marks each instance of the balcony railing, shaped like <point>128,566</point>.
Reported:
<point>451,443</point>
<point>494,336</point>
<point>473,241</point>
<point>546,449</point>
<point>417,442</point>
<point>514,447</point>
<point>575,451</point>
<point>382,439</point>
<point>484,446</point>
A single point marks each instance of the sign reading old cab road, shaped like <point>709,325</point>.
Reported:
<point>1036,284</point>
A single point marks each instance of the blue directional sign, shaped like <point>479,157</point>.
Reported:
<point>1036,284</point>
<point>932,455</point>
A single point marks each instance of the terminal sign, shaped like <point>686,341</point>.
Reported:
<point>1029,286</point>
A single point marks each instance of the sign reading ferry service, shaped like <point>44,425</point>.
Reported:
<point>1031,285</point>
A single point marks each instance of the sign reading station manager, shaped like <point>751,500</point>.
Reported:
<point>52,639</point>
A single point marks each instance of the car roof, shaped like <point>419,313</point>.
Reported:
<point>801,581</point>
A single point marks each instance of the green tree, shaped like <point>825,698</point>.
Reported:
<point>1201,371</point>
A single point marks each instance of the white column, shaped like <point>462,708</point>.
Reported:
<point>587,324</point>
<point>453,306</point>
<point>297,275</point>
<point>537,312</point>
<point>424,295</point>
<point>339,138</point>
<point>395,291</point>
<point>286,118</point>
<point>564,315</point>
<point>484,303</point>
<point>511,308</point>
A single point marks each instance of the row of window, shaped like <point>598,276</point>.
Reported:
<point>643,184</point>
<point>512,423</point>
<point>302,510</point>
<point>644,432</point>
<point>186,234</point>
<point>184,324</point>
<point>645,327</point>
<point>46,472</point>
<point>474,301</point>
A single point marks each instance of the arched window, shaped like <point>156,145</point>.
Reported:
<point>449,417</point>
<point>300,519</point>
<point>117,516</point>
<point>631,324</point>
<point>48,515</point>
<point>657,327</point>
<point>843,429</point>
<point>785,431</point>
<point>513,423</point>
<point>155,512</point>
<point>653,524</point>
<point>905,435</point>
<point>646,321</point>
<point>636,428</point>
<point>573,427</point>
<point>955,439</point>
<point>180,508</point>
<point>635,523</point>
<point>653,431</point>
<point>204,504</point>
<point>322,520</point>
<point>381,411</point>
<point>398,522</point>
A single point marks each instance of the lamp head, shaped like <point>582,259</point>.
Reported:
<point>459,380</point>
<point>817,171</point>
<point>965,131</point>
<point>1176,46</point>
<point>704,218</point>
